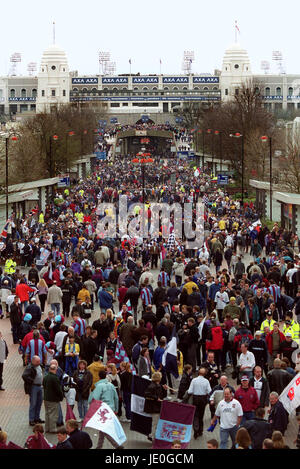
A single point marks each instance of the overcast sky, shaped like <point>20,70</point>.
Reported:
<point>147,31</point>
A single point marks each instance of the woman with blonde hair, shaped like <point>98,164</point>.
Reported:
<point>126,380</point>
<point>42,293</point>
<point>154,395</point>
<point>113,377</point>
<point>278,440</point>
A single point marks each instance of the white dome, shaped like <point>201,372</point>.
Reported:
<point>54,54</point>
<point>236,52</point>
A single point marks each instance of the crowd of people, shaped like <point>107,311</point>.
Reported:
<point>74,297</point>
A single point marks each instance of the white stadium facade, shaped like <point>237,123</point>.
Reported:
<point>127,97</point>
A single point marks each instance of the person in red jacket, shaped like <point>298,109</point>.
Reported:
<point>215,342</point>
<point>248,398</point>
<point>22,291</point>
<point>273,341</point>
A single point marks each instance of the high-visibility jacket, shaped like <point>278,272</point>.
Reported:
<point>268,323</point>
<point>41,218</point>
<point>294,329</point>
<point>81,192</point>
<point>67,192</point>
<point>10,266</point>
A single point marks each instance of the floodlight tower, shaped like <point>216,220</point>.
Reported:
<point>104,58</point>
<point>14,59</point>
<point>188,59</point>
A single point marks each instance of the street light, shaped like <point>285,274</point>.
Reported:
<point>14,137</point>
<point>264,139</point>
<point>142,160</point>
<point>70,133</point>
<point>241,136</point>
<point>55,138</point>
<point>210,131</point>
<point>218,132</point>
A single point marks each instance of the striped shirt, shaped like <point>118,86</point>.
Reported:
<point>79,327</point>
<point>36,347</point>
<point>146,296</point>
<point>274,290</point>
<point>164,279</point>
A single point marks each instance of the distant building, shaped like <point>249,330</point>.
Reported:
<point>156,95</point>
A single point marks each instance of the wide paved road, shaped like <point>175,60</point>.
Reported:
<point>14,404</point>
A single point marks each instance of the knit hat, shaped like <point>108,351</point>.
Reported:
<point>57,318</point>
<point>27,317</point>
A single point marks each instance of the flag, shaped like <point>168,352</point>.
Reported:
<point>141,422</point>
<point>237,28</point>
<point>290,396</point>
<point>32,212</point>
<point>12,445</point>
<point>169,358</point>
<point>197,172</point>
<point>130,61</point>
<point>160,61</point>
<point>101,417</point>
<point>70,414</point>
<point>175,423</point>
<point>121,356</point>
<point>129,307</point>
<point>5,229</point>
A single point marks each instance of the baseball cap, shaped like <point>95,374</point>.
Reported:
<point>244,378</point>
<point>258,333</point>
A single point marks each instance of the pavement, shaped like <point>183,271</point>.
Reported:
<point>14,403</point>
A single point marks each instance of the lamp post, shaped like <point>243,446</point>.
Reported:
<point>53,138</point>
<point>70,133</point>
<point>14,137</point>
<point>202,133</point>
<point>209,131</point>
<point>218,132</point>
<point>241,136</point>
<point>142,160</point>
<point>264,139</point>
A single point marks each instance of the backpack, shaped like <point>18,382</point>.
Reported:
<point>244,339</point>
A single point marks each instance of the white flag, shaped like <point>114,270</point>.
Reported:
<point>290,396</point>
<point>101,417</point>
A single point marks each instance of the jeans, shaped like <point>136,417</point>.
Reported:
<point>15,333</point>
<point>82,407</point>
<point>200,403</point>
<point>55,307</point>
<point>127,399</point>
<point>224,435</point>
<point>24,305</point>
<point>36,400</point>
<point>102,347</point>
<point>247,416</point>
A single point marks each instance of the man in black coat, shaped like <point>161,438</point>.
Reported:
<point>78,438</point>
<point>63,440</point>
<point>259,429</point>
<point>102,327</point>
<point>15,318</point>
<point>261,385</point>
<point>159,295</point>
<point>278,417</point>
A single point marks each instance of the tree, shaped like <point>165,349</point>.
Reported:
<point>245,115</point>
<point>37,155</point>
<point>289,165</point>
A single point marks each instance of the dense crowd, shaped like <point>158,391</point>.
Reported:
<point>74,297</point>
